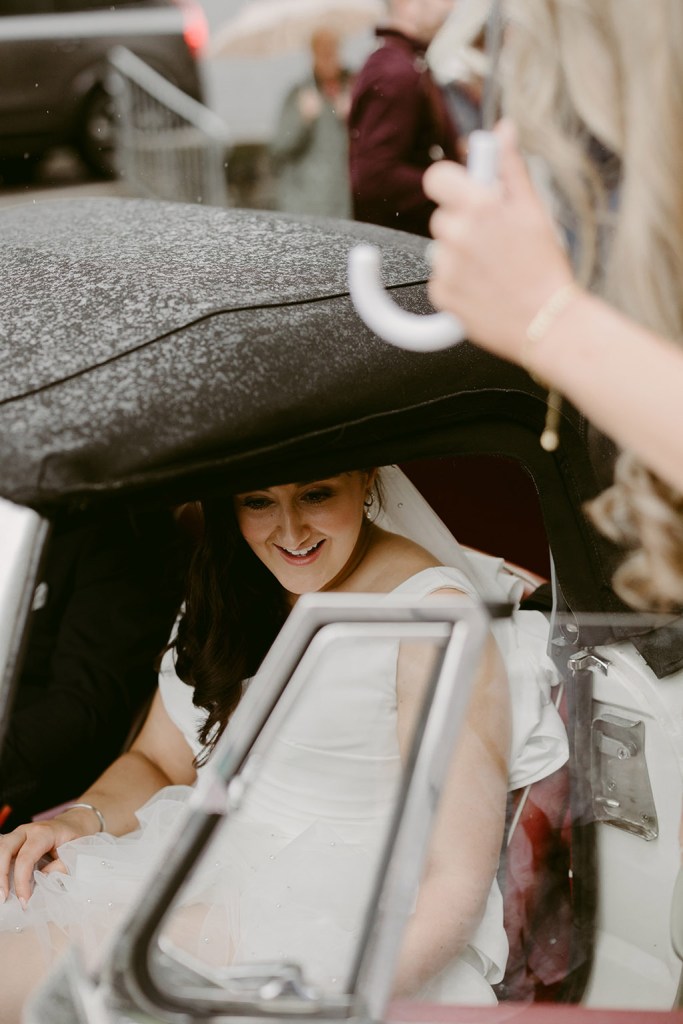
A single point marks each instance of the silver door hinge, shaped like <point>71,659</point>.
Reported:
<point>622,794</point>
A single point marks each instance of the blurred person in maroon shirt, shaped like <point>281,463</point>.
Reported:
<point>399,121</point>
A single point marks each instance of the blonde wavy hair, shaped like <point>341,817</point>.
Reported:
<point>611,71</point>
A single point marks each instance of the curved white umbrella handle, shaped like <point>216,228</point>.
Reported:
<point>373,304</point>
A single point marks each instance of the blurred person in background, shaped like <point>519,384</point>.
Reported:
<point>400,122</point>
<point>309,149</point>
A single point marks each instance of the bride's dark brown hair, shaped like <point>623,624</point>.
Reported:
<point>234,608</point>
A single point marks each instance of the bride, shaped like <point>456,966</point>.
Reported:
<point>258,552</point>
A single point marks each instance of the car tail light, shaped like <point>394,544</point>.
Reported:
<point>195,26</point>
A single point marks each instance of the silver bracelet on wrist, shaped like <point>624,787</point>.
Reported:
<point>95,810</point>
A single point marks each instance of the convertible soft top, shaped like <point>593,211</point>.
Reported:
<point>161,348</point>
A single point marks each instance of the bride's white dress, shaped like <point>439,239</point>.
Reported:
<point>288,877</point>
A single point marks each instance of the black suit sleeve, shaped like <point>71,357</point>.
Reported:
<point>112,589</point>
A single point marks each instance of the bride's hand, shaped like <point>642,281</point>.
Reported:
<point>496,257</point>
<point>27,845</point>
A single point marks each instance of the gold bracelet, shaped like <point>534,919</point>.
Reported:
<point>537,329</point>
<point>541,323</point>
<point>95,810</point>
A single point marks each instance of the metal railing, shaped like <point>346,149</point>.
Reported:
<point>168,145</point>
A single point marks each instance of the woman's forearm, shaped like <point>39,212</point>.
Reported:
<point>118,793</point>
<point>445,918</point>
<point>468,829</point>
<point>627,380</point>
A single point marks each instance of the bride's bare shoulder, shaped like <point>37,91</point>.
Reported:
<point>398,558</point>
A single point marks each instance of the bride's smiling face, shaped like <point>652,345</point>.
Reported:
<point>304,533</point>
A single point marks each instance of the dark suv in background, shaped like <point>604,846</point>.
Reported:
<point>53,66</point>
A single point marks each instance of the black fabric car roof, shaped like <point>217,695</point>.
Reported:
<point>159,347</point>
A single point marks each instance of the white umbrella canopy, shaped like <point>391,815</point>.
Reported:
<point>266,28</point>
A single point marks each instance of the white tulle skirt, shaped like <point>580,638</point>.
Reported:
<point>257,896</point>
<point>105,876</point>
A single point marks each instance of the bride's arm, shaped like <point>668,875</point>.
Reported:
<point>159,757</point>
<point>466,842</point>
